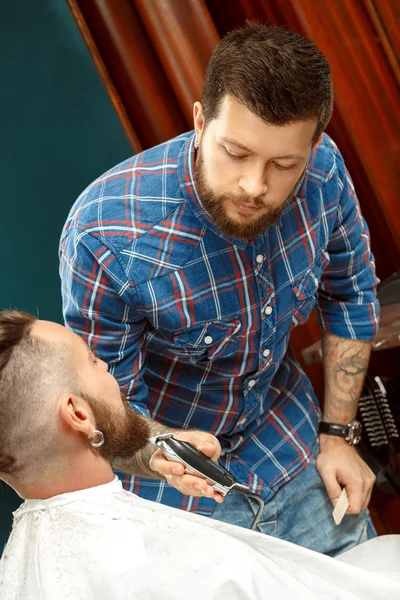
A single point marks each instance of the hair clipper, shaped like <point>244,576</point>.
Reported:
<point>198,464</point>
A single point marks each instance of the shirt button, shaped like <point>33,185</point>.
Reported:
<point>266,352</point>
<point>259,258</point>
<point>208,339</point>
<point>268,310</point>
<point>252,383</point>
<point>242,421</point>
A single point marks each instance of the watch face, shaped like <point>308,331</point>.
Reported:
<point>355,432</point>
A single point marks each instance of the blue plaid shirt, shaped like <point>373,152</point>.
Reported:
<point>195,325</point>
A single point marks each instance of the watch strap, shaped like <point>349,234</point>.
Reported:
<point>350,432</point>
<point>333,429</point>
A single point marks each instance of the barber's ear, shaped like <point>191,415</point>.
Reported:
<point>198,119</point>
<point>76,413</point>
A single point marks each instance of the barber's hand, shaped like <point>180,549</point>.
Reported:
<point>339,465</point>
<point>174,472</point>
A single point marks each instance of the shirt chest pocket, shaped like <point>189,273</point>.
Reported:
<point>305,290</point>
<point>207,341</point>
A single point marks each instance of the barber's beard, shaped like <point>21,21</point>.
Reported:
<point>214,204</point>
<point>125,432</point>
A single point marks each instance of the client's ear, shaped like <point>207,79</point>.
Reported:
<point>76,413</point>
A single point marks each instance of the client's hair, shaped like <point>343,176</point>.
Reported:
<point>32,372</point>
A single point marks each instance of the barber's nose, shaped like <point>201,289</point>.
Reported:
<point>253,185</point>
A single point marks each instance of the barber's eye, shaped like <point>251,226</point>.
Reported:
<point>234,156</point>
<point>282,167</point>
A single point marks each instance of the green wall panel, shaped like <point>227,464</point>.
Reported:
<point>58,132</point>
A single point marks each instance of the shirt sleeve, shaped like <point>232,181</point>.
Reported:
<point>347,303</point>
<point>99,305</point>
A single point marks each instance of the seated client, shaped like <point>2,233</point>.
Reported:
<point>80,535</point>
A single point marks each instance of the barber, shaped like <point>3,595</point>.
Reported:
<point>186,268</point>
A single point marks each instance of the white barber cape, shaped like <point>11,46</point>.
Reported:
<point>104,543</point>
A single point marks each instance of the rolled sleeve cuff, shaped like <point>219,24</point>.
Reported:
<point>348,320</point>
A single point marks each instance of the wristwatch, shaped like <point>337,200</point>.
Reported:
<point>350,432</point>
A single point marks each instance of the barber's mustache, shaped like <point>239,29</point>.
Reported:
<point>245,200</point>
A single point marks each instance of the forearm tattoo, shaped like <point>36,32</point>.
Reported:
<point>345,366</point>
<point>139,463</point>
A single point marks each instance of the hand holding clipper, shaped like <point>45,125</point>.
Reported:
<point>195,463</point>
<point>199,465</point>
<point>173,469</point>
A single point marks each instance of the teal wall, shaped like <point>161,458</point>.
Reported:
<point>58,132</point>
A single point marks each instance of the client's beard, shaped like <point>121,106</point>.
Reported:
<point>125,433</point>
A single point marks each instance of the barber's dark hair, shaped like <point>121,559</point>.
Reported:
<point>277,74</point>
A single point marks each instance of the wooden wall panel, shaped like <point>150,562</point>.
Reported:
<point>131,62</point>
<point>385,17</point>
<point>367,96</point>
<point>105,76</point>
<point>184,36</point>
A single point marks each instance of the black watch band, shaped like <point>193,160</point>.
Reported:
<point>350,432</point>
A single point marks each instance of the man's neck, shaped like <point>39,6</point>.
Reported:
<point>83,475</point>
